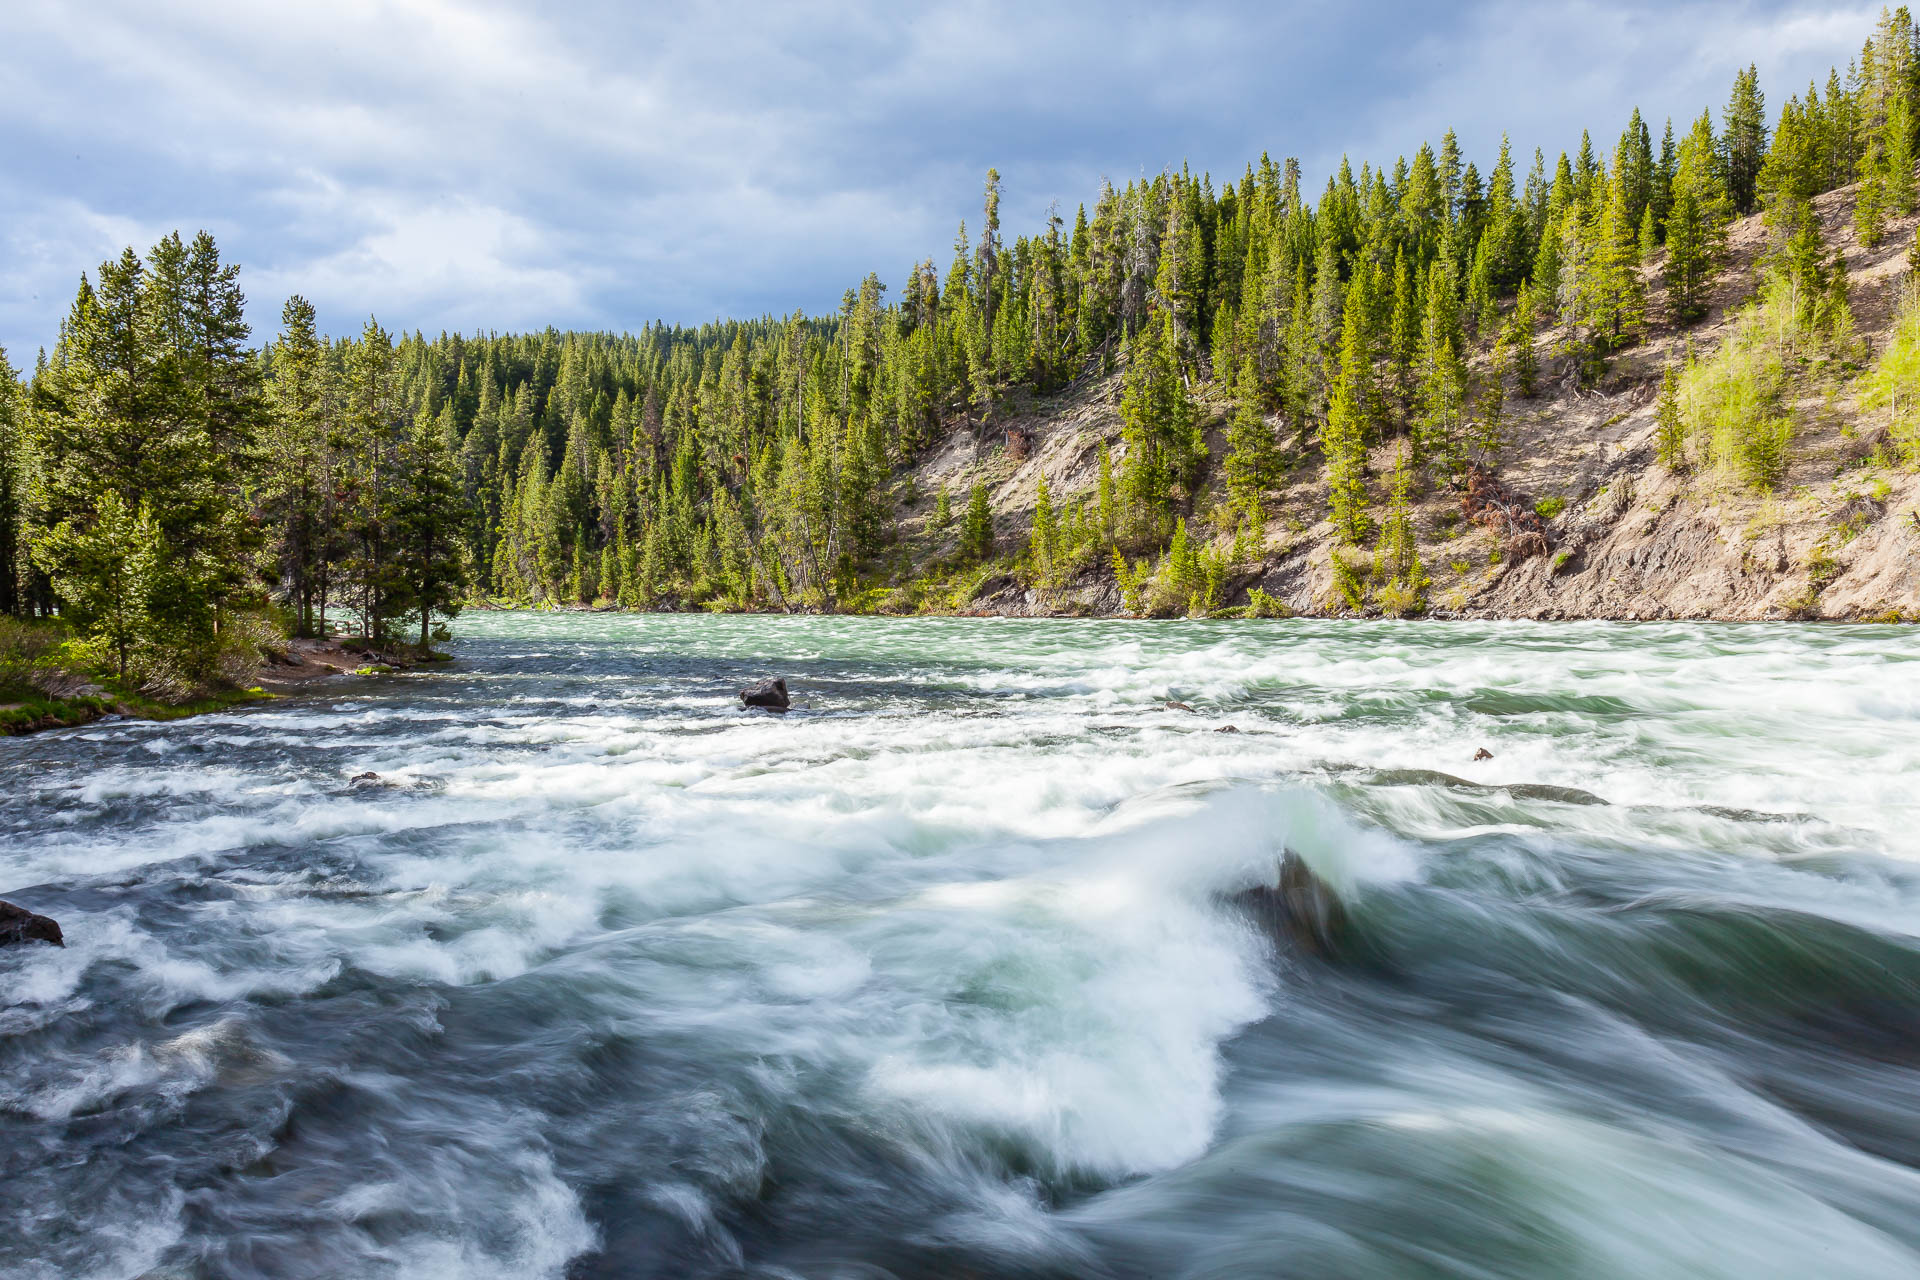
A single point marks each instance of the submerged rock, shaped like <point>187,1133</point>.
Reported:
<point>1226,728</point>
<point>1178,706</point>
<point>771,694</point>
<point>368,779</point>
<point>1302,909</point>
<point>1483,754</point>
<point>19,925</point>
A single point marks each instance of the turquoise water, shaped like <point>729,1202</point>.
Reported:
<point>943,972</point>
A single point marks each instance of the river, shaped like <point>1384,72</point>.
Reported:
<point>942,973</point>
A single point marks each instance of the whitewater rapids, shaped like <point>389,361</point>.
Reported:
<point>941,973</point>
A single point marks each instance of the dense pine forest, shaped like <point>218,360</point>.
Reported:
<point>179,492</point>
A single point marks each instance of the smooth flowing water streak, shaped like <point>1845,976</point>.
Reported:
<point>942,973</point>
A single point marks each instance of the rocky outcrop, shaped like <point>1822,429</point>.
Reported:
<point>1301,910</point>
<point>769,694</point>
<point>19,925</point>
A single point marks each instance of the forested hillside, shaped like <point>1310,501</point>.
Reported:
<point>1184,397</point>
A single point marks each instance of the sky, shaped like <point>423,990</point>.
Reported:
<point>449,165</point>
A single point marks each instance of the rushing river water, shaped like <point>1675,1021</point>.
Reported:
<point>941,974</point>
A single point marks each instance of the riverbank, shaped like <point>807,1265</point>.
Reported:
<point>39,690</point>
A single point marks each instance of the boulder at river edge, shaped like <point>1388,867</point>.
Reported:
<point>19,925</point>
<point>771,694</point>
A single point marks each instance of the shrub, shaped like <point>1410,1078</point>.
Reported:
<point>1132,579</point>
<point>1548,508</point>
<point>1732,400</point>
<point>1893,384</point>
<point>1822,568</point>
<point>1262,605</point>
<point>1400,599</point>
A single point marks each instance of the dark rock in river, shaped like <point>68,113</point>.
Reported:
<point>365,779</point>
<point>1302,909</point>
<point>1226,728</point>
<point>18,925</point>
<point>1483,754</point>
<point>771,694</point>
<point>1178,706</point>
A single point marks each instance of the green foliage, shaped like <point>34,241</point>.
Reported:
<point>1441,428</point>
<point>1132,579</point>
<point>15,513</point>
<point>1253,454</point>
<point>1743,145</point>
<point>1343,440</point>
<point>1164,450</point>
<point>976,529</point>
<point>1670,424</point>
<point>1396,560</point>
<point>108,573</point>
<point>427,514</point>
<point>1350,569</point>
<point>1690,260</point>
<point>1262,605</point>
<point>1190,575</point>
<point>144,424</point>
<point>1518,339</point>
<point>1044,543</point>
<point>1732,401</point>
<point>1892,385</point>
<point>1105,495</point>
<point>1548,508</point>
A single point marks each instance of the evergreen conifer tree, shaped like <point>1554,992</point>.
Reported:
<point>976,530</point>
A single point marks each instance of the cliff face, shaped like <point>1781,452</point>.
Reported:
<point>1838,539</point>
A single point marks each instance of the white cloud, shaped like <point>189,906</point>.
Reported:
<point>449,164</point>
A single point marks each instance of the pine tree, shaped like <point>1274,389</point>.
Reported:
<point>1104,495</point>
<point>298,494</point>
<point>1519,339</point>
<point>1044,538</point>
<point>1743,145</point>
<point>1870,206</point>
<point>1689,266</point>
<point>152,396</point>
<point>976,530</point>
<point>1441,427</point>
<point>1253,455</point>
<point>1163,444</point>
<point>14,516</point>
<point>107,573</point>
<point>1343,441</point>
<point>1670,428</point>
<point>373,417</point>
<point>1899,186</point>
<point>1397,556</point>
<point>430,570</point>
<point>1486,432</point>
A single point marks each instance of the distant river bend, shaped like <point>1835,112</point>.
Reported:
<point>941,974</point>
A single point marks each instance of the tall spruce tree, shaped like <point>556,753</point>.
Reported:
<point>1743,140</point>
